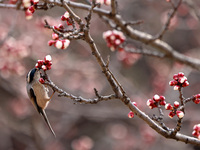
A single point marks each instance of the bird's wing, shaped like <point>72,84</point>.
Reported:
<point>41,111</point>
<point>34,100</point>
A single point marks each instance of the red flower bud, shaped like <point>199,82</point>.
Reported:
<point>130,114</point>
<point>180,114</point>
<point>171,114</point>
<point>168,106</point>
<point>41,80</point>
<point>156,98</point>
<point>176,104</point>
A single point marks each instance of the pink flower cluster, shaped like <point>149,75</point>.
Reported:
<point>196,131</point>
<point>29,6</point>
<point>179,80</point>
<point>196,99</point>
<point>114,39</point>
<point>58,43</point>
<point>157,100</point>
<point>66,17</point>
<point>131,114</point>
<point>174,110</point>
<point>44,64</point>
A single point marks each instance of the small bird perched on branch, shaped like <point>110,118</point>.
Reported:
<point>38,94</point>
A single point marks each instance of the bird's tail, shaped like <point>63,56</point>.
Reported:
<point>47,121</point>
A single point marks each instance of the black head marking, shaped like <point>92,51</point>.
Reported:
<point>30,75</point>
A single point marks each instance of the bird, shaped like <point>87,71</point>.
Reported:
<point>38,94</point>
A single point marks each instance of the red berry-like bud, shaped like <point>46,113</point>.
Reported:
<point>65,43</point>
<point>36,65</point>
<point>163,103</point>
<point>171,114</point>
<point>51,42</point>
<point>44,67</point>
<point>40,62</point>
<point>196,101</point>
<point>31,9</point>
<point>134,103</point>
<point>41,80</point>
<point>168,106</point>
<point>35,2</point>
<point>176,87</point>
<point>63,18</point>
<point>186,83</point>
<point>180,114</point>
<point>196,127</point>
<point>162,98</point>
<point>58,44</point>
<point>130,114</point>
<point>151,103</point>
<point>156,98</point>
<point>107,2</point>
<point>197,96</point>
<point>182,79</point>
<point>181,74</point>
<point>55,36</point>
<point>176,104</point>
<point>47,58</point>
<point>60,26</point>
<point>173,83</point>
<point>48,67</point>
<point>28,15</point>
<point>195,133</point>
<point>175,77</point>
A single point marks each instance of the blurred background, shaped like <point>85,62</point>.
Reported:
<point>104,125</point>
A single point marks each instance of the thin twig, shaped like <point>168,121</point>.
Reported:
<point>167,24</point>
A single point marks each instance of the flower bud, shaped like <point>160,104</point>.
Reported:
<point>134,103</point>
<point>171,115</point>
<point>175,76</point>
<point>31,9</point>
<point>176,104</point>
<point>176,87</point>
<point>41,80</point>
<point>130,114</point>
<point>65,43</point>
<point>162,98</point>
<point>168,106</point>
<point>180,114</point>
<point>196,127</point>
<point>51,42</point>
<point>28,15</point>
<point>163,103</point>
<point>181,74</point>
<point>44,67</point>
<point>55,36</point>
<point>156,98</point>
<point>47,58</point>
<point>182,79</point>
<point>58,44</point>
<point>107,2</point>
<point>186,83</point>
